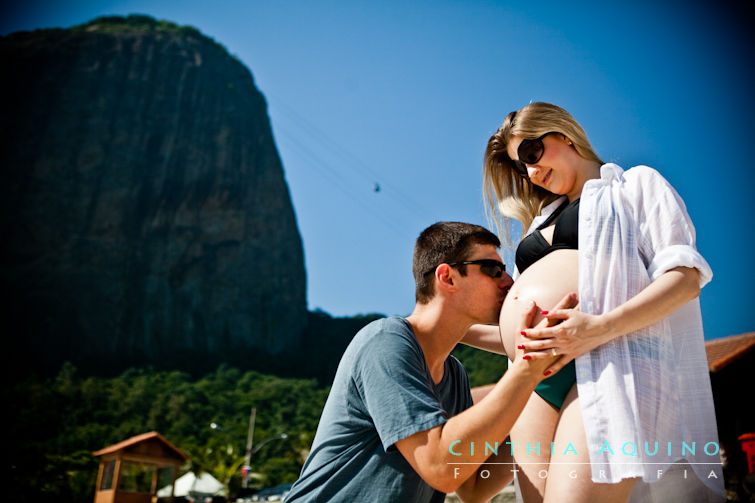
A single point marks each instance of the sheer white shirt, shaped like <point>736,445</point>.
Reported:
<point>651,385</point>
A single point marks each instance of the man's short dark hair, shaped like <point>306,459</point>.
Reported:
<point>442,243</point>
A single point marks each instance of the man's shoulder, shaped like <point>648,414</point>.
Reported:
<point>384,332</point>
<point>384,343</point>
<point>391,323</point>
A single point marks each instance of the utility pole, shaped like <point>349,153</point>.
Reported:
<point>248,456</point>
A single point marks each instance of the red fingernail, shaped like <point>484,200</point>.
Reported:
<point>526,357</point>
<point>521,346</point>
<point>544,313</point>
<point>522,332</point>
<point>547,373</point>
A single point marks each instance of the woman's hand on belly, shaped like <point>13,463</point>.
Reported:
<point>530,310</point>
<point>576,333</point>
<point>547,282</point>
<point>579,333</point>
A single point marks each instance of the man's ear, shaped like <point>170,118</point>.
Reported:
<point>445,277</point>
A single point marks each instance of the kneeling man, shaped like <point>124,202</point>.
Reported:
<point>399,421</point>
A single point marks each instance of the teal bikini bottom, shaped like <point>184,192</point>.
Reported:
<point>554,389</point>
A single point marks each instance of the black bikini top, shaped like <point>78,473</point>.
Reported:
<point>565,236</point>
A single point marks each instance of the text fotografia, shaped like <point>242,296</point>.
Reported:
<point>627,449</point>
<point>543,474</point>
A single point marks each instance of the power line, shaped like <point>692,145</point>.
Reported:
<point>330,173</point>
<point>322,139</point>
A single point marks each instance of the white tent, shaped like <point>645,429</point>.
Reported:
<point>190,485</point>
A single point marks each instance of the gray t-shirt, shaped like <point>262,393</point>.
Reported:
<point>382,393</point>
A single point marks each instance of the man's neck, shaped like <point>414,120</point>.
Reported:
<point>437,333</point>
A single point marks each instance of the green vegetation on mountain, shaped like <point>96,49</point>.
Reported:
<point>58,422</point>
<point>483,368</point>
<point>137,22</point>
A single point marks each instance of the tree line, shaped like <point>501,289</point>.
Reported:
<point>57,421</point>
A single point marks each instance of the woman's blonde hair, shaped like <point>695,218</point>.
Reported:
<point>509,195</point>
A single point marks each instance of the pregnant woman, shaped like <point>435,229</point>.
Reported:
<point>632,382</point>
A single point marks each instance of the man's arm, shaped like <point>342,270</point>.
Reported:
<point>429,452</point>
<point>479,488</point>
<point>491,420</point>
<point>485,337</point>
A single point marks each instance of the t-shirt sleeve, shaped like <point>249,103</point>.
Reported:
<point>396,389</point>
<point>667,236</point>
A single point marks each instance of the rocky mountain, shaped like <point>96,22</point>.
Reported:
<point>145,213</point>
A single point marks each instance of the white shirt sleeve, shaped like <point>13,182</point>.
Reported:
<point>666,237</point>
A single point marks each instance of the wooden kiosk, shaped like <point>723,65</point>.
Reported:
<point>132,471</point>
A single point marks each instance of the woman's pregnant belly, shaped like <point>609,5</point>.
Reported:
<point>546,282</point>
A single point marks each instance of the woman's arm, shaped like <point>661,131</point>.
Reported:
<point>579,333</point>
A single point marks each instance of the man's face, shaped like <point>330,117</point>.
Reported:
<point>482,294</point>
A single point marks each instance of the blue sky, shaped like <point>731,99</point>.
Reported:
<point>406,94</point>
